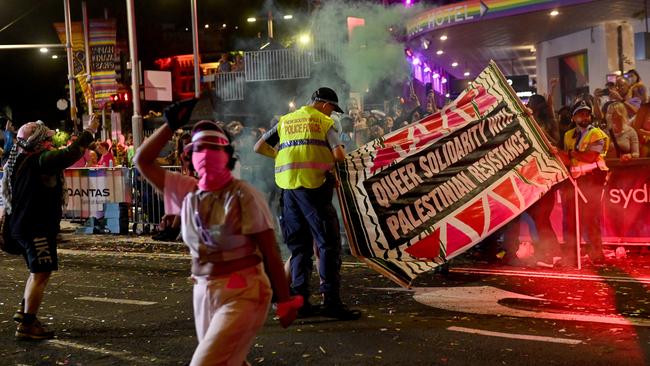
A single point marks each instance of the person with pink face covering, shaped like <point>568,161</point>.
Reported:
<point>34,196</point>
<point>228,228</point>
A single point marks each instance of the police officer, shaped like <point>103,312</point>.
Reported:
<point>305,145</point>
<point>585,149</point>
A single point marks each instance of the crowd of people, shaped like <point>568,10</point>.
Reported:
<point>620,110</point>
<point>228,225</point>
<point>230,63</point>
<point>610,124</point>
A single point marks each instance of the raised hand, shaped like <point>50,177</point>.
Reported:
<point>93,123</point>
<point>178,114</point>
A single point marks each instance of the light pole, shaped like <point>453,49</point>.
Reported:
<point>136,120</point>
<point>68,47</point>
<point>195,47</point>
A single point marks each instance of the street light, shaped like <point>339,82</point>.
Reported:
<point>288,16</point>
<point>44,50</point>
<point>55,56</point>
<point>251,20</point>
<point>304,39</point>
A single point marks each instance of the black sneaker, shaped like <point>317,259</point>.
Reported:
<point>340,311</point>
<point>19,315</point>
<point>34,331</point>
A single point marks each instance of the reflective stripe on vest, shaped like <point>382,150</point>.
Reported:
<point>304,165</point>
<point>302,142</point>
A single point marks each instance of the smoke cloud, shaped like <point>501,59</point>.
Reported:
<point>371,53</point>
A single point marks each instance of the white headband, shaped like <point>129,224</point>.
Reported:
<point>209,133</point>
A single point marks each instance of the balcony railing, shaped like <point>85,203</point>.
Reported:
<point>284,64</point>
<point>229,85</point>
<point>277,65</point>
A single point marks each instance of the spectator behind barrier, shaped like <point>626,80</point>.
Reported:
<point>624,142</point>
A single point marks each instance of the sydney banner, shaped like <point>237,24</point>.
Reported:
<point>626,202</point>
<point>427,192</point>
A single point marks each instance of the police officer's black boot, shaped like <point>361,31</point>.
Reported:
<point>333,307</point>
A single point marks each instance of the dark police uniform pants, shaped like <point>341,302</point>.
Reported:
<point>308,218</point>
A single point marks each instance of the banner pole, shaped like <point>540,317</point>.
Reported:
<point>339,195</point>
<point>577,218</point>
<point>577,192</point>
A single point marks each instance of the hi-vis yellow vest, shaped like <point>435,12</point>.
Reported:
<point>593,134</point>
<point>304,156</point>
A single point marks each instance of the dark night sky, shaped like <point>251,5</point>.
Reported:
<point>32,82</point>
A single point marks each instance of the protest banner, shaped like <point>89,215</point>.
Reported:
<point>425,193</point>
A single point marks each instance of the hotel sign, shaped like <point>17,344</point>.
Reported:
<point>475,10</point>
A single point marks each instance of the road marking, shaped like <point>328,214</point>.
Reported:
<point>110,253</point>
<point>553,275</point>
<point>124,356</point>
<point>116,301</point>
<point>525,337</point>
<point>484,300</point>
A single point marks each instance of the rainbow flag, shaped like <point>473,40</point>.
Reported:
<point>102,39</point>
<point>102,36</point>
<point>78,54</point>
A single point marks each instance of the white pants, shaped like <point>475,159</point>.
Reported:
<point>228,312</point>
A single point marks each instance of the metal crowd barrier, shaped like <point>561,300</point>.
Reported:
<point>147,206</point>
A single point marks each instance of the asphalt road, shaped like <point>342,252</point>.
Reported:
<point>130,308</point>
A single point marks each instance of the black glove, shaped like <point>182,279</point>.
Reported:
<point>178,114</point>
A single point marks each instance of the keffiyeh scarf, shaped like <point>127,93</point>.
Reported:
<point>30,145</point>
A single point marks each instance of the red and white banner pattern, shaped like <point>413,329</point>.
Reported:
<point>426,193</point>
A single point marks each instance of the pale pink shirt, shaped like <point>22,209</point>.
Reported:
<point>235,212</point>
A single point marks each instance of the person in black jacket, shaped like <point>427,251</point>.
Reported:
<point>33,192</point>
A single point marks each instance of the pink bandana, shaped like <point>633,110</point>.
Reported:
<point>211,165</point>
